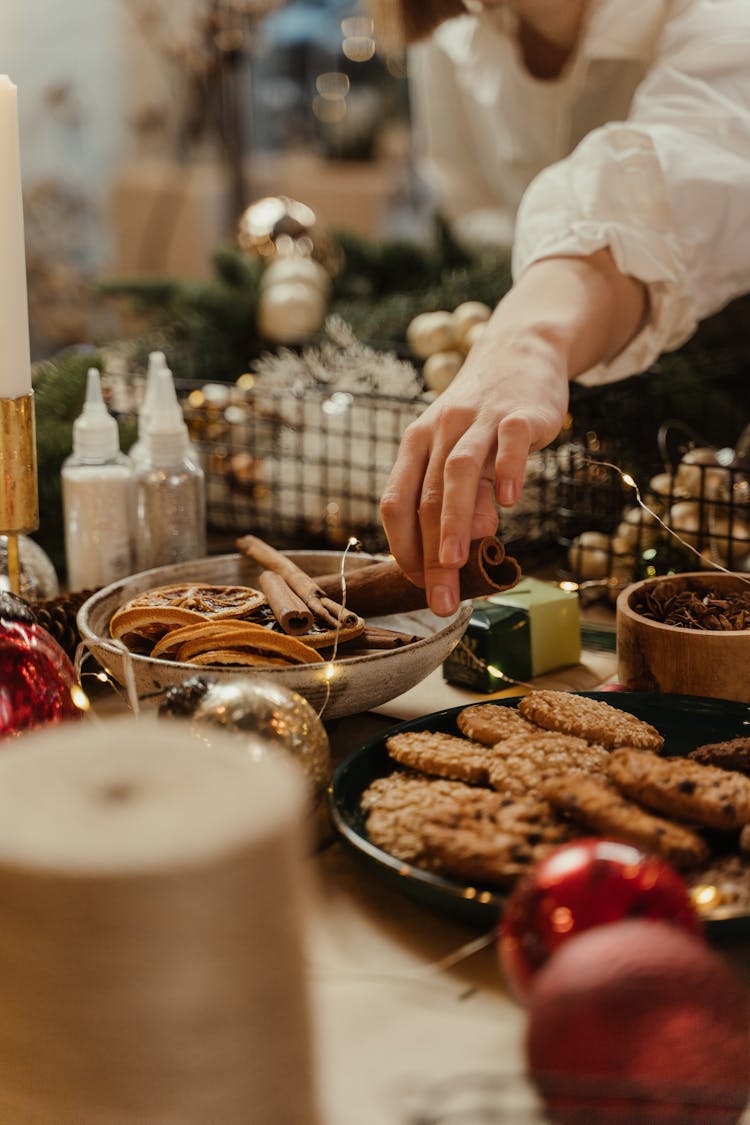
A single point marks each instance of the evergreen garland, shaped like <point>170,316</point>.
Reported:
<point>207,328</point>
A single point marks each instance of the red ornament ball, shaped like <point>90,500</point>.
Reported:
<point>37,680</point>
<point>579,885</point>
<point>639,1022</point>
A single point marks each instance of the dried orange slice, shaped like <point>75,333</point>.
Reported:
<point>250,639</point>
<point>212,601</point>
<point>202,630</point>
<point>150,622</point>
<point>232,656</point>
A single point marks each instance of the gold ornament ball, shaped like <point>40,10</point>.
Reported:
<point>273,718</point>
<point>290,312</point>
<point>279,226</point>
<point>467,316</point>
<point>440,369</point>
<point>589,555</point>
<point>296,270</point>
<point>700,474</point>
<point>431,332</point>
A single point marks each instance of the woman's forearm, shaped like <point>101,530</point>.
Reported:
<point>469,448</point>
<point>584,307</point>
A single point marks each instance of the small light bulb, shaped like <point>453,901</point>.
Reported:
<point>80,699</point>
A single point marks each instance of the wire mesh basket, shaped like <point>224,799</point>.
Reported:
<point>311,467</point>
<point>308,467</point>
<point>688,509</point>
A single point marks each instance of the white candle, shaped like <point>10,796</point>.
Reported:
<point>15,357</point>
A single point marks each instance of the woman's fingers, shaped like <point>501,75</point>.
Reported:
<point>400,500</point>
<point>514,440</point>
<point>467,492</point>
<point>465,453</point>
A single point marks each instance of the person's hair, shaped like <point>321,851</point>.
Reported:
<point>411,20</point>
<point>421,17</point>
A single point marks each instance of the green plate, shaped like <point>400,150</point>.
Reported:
<point>685,721</point>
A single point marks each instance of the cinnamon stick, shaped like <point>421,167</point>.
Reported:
<point>319,602</point>
<point>292,614</point>
<point>374,637</point>
<point>382,588</point>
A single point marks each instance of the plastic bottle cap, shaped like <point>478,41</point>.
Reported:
<point>156,362</point>
<point>95,433</point>
<point>166,437</point>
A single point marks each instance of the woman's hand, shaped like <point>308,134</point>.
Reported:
<point>469,448</point>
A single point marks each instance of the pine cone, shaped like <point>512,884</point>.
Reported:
<point>58,616</point>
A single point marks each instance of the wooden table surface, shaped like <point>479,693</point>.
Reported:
<point>394,1023</point>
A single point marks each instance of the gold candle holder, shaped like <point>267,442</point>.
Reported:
<point>19,494</point>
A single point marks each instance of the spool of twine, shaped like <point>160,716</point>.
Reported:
<point>152,899</point>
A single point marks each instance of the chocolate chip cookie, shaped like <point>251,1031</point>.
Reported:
<point>596,805</point>
<point>734,754</point>
<point>682,788</point>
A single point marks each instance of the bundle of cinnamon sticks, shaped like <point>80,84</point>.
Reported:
<point>295,618</point>
<point>376,590</point>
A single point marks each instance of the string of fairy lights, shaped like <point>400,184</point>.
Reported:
<point>629,482</point>
<point>327,674</point>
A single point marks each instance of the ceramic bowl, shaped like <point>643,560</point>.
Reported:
<point>357,684</point>
<point>652,656</point>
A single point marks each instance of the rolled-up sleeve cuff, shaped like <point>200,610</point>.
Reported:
<point>611,193</point>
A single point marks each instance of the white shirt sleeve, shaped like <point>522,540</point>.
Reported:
<point>668,190</point>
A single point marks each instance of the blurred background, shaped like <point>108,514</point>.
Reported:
<point>147,126</point>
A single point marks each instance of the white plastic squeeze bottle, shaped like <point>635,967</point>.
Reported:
<point>169,487</point>
<point>156,362</point>
<point>97,481</point>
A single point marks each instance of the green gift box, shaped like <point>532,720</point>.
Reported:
<point>523,632</point>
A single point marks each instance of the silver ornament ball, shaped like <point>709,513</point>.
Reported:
<point>38,579</point>
<point>275,718</point>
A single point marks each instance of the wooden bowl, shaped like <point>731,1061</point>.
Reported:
<point>359,683</point>
<point>652,656</point>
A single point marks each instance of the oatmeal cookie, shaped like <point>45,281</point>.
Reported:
<point>459,830</point>
<point>591,719</point>
<point>596,805</point>
<point>397,806</point>
<point>733,754</point>
<point>682,788</point>
<point>441,755</point>
<point>489,723</point>
<point>520,764</point>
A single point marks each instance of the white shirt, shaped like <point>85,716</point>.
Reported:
<point>641,145</point>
